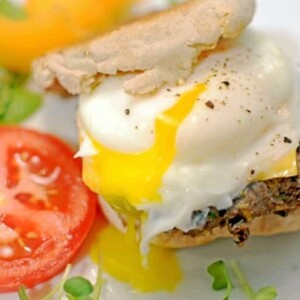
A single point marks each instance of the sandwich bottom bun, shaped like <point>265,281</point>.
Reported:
<point>261,226</point>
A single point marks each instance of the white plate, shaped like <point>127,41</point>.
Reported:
<point>265,261</point>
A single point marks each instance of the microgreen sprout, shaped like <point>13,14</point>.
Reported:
<point>78,287</point>
<point>74,288</point>
<point>218,270</point>
<point>220,273</point>
<point>22,293</point>
<point>265,293</point>
<point>98,284</point>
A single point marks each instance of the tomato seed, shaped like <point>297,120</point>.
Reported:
<point>24,156</point>
<point>31,235</point>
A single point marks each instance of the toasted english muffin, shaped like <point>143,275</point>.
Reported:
<point>161,48</point>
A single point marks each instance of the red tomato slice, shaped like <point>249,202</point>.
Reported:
<point>45,209</point>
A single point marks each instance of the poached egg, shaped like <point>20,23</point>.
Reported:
<point>159,157</point>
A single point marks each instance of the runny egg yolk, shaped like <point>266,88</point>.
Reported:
<point>137,177</point>
<point>121,258</point>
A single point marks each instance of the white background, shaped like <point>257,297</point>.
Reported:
<point>265,261</point>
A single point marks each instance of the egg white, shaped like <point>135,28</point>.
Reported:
<point>249,84</point>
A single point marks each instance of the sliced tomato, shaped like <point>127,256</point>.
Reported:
<point>46,210</point>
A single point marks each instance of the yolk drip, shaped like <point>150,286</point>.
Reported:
<point>285,167</point>
<point>137,177</point>
<point>121,258</point>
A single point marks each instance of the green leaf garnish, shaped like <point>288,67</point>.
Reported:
<point>17,102</point>
<point>20,105</point>
<point>11,11</point>
<point>265,293</point>
<point>5,96</point>
<point>22,293</point>
<point>218,270</point>
<point>78,287</point>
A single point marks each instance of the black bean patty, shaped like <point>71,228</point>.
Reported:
<point>277,196</point>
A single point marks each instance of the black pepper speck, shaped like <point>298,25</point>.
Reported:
<point>226,83</point>
<point>210,104</point>
<point>287,140</point>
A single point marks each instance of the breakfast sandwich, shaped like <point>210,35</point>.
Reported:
<point>187,124</point>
